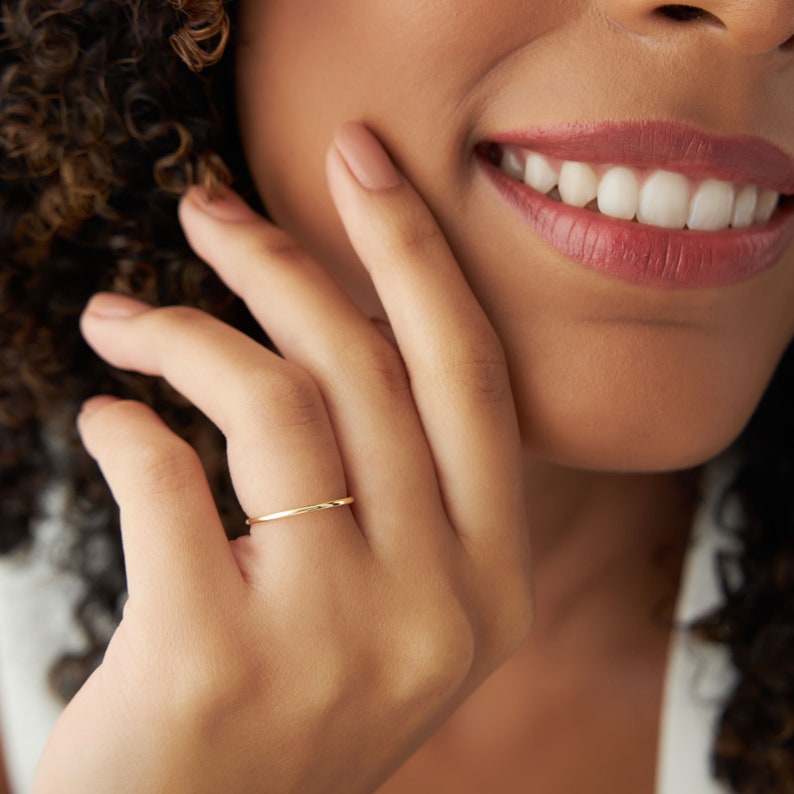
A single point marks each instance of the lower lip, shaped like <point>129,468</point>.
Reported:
<point>648,255</point>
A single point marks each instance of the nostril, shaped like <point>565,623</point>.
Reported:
<point>684,13</point>
<point>755,32</point>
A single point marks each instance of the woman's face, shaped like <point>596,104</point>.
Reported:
<point>610,369</point>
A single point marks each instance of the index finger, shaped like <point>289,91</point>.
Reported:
<point>457,367</point>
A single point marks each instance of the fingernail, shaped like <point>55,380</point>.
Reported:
<point>366,158</point>
<point>93,404</point>
<point>228,206</point>
<point>110,306</point>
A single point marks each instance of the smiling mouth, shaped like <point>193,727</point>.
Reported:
<point>655,203</point>
<point>647,196</point>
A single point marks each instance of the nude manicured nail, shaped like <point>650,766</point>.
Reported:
<point>109,306</point>
<point>93,404</point>
<point>366,158</point>
<point>227,206</point>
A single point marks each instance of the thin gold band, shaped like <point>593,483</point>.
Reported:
<point>299,511</point>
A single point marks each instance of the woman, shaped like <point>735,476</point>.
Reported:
<point>565,280</point>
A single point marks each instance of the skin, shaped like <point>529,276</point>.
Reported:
<point>384,626</point>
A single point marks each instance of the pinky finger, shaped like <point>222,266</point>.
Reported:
<point>173,538</point>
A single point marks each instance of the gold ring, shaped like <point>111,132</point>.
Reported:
<point>299,511</point>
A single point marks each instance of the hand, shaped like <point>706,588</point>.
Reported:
<point>317,653</point>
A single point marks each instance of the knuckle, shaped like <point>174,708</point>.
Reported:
<point>436,660</point>
<point>477,365</point>
<point>277,244</point>
<point>287,397</point>
<point>211,682</point>
<point>414,232</point>
<point>376,361</point>
<point>171,466</point>
<point>338,680</point>
<point>447,657</point>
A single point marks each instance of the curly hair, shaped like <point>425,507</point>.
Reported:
<point>754,750</point>
<point>107,113</point>
<point>109,109</point>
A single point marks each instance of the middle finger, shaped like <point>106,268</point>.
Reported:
<point>282,449</point>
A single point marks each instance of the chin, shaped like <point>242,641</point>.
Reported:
<point>625,455</point>
<point>650,436</point>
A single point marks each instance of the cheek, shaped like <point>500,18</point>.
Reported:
<point>304,68</point>
<point>405,68</point>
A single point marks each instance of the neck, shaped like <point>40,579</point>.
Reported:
<point>604,540</point>
<point>607,552</point>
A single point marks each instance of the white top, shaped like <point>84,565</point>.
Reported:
<point>699,674</point>
<point>37,625</point>
<point>37,601</point>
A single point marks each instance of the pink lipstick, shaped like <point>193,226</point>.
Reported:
<point>715,242</point>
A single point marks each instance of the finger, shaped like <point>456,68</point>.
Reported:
<point>173,538</point>
<point>456,364</point>
<point>282,452</point>
<point>360,374</point>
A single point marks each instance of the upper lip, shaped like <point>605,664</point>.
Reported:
<point>672,146</point>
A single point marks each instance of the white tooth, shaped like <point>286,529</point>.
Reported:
<point>744,207</point>
<point>539,174</point>
<point>511,164</point>
<point>767,204</point>
<point>619,193</point>
<point>711,207</point>
<point>664,200</point>
<point>578,184</point>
